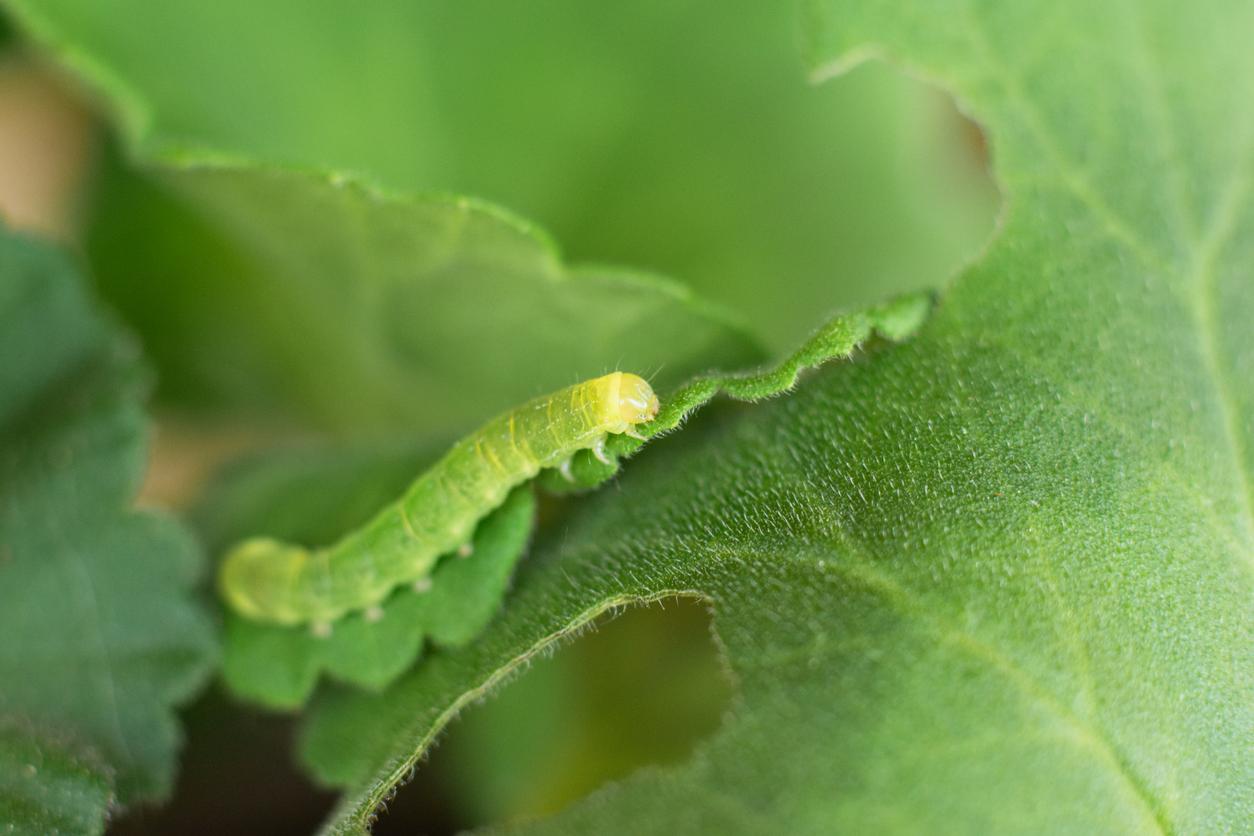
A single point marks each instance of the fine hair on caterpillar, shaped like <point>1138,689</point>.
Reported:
<point>283,583</point>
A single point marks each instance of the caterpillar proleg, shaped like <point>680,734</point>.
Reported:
<point>269,580</point>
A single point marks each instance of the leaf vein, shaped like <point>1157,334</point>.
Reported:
<point>863,568</point>
<point>1204,278</point>
<point>1074,177</point>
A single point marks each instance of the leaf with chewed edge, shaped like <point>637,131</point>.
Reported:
<point>839,339</point>
<point>279,666</point>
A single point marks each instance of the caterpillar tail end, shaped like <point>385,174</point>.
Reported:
<point>256,577</point>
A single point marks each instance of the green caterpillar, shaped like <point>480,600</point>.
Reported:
<point>268,580</point>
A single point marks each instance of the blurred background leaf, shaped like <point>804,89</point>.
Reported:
<point>49,784</point>
<point>671,137</point>
<point>101,635</point>
<point>231,304</point>
<point>346,309</point>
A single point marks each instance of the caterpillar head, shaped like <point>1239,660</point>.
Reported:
<point>635,401</point>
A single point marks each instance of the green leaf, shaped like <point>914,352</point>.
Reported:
<point>279,666</point>
<point>98,634</point>
<point>623,132</point>
<point>838,339</point>
<point>630,148</point>
<point>994,579</point>
<point>371,313</point>
<point>48,785</point>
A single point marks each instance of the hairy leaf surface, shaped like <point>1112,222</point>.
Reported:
<point>998,578</point>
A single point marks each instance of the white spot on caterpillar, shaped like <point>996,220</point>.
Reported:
<point>320,629</point>
<point>372,614</point>
<point>465,550</point>
<point>422,585</point>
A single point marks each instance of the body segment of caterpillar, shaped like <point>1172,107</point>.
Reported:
<point>269,580</point>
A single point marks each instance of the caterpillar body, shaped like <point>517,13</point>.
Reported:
<point>269,580</point>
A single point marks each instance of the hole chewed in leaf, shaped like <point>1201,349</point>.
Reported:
<point>638,689</point>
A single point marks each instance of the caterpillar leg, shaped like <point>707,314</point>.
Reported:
<point>466,549</point>
<point>422,585</point>
<point>564,469</point>
<point>320,629</point>
<point>635,435</point>
<point>598,450</point>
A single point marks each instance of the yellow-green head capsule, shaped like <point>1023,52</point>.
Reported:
<point>268,580</point>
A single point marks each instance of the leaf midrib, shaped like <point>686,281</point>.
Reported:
<point>1085,735</point>
<point>1218,233</point>
<point>1198,282</point>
